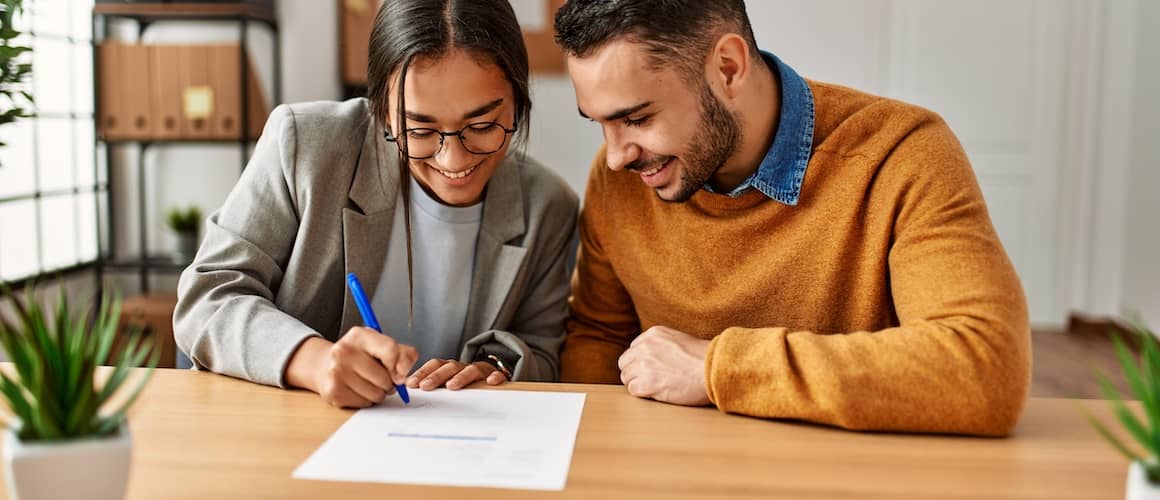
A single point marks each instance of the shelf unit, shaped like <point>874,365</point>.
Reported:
<point>145,14</point>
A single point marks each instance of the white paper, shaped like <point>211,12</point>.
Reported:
<point>502,439</point>
<point>531,14</point>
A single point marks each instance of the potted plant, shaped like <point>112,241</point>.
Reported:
<point>1144,379</point>
<point>14,66</point>
<point>67,434</point>
<point>184,224</point>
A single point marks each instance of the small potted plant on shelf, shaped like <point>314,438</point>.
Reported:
<point>184,224</point>
<point>1144,379</point>
<point>67,433</point>
<point>14,66</point>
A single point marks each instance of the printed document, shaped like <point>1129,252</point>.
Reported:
<point>501,439</point>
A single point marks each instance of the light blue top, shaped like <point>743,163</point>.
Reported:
<point>443,258</point>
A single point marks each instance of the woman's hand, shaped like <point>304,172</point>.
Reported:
<point>359,370</point>
<point>453,374</point>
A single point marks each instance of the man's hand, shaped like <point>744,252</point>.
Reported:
<point>666,365</point>
<point>455,375</point>
<point>359,370</point>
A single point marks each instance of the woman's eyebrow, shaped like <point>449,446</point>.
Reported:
<point>477,112</point>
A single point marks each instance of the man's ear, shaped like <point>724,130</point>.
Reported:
<point>729,63</point>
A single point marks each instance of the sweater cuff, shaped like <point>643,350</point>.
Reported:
<point>737,365</point>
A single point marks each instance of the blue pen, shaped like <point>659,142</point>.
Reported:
<point>368,315</point>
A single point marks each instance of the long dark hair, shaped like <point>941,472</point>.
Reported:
<point>408,29</point>
<point>405,30</point>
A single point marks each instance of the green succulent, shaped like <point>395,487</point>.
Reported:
<point>1144,380</point>
<point>55,353</point>
<point>184,221</point>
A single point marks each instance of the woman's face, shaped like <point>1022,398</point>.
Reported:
<point>452,93</point>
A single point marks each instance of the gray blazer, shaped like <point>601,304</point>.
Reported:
<point>317,201</point>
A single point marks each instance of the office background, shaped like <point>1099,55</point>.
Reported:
<point>1054,101</point>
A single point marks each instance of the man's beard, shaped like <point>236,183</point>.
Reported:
<point>719,138</point>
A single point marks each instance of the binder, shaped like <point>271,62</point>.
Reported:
<point>112,124</point>
<point>134,78</point>
<point>165,90</point>
<point>197,93</point>
<point>225,60</point>
<point>226,83</point>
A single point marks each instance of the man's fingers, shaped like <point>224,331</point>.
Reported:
<point>439,377</point>
<point>628,357</point>
<point>423,372</point>
<point>639,387</point>
<point>467,375</point>
<point>627,373</point>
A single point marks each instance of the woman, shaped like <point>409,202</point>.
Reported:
<point>461,246</point>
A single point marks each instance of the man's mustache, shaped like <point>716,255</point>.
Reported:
<point>642,164</point>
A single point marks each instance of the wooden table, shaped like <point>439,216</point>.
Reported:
<point>198,436</point>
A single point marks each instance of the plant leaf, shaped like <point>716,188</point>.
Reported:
<point>15,396</point>
<point>106,330</point>
<point>1108,436</point>
<point>54,351</point>
<point>133,357</point>
<point>1150,366</point>
<point>1131,423</point>
<point>119,414</point>
<point>1137,382</point>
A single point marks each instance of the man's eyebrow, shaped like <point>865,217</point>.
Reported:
<point>620,113</point>
<point>626,112</point>
<point>475,113</point>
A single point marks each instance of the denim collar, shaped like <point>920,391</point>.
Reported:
<point>779,177</point>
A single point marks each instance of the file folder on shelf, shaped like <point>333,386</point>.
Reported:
<point>166,91</point>
<point>134,79</point>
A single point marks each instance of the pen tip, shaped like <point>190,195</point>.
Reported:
<point>403,394</point>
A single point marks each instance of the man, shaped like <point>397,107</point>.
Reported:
<point>776,246</point>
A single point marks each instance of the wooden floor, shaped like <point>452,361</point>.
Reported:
<point>1065,364</point>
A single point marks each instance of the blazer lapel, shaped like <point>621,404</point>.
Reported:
<point>496,262</point>
<point>366,227</point>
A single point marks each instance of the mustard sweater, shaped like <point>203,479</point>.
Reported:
<point>883,300</point>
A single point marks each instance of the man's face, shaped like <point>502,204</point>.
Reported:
<point>675,135</point>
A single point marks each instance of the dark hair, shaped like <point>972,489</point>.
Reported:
<point>408,29</point>
<point>679,32</point>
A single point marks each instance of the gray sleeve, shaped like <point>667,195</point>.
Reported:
<point>536,332</point>
<point>225,319</point>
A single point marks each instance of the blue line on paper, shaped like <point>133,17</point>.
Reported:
<point>440,436</point>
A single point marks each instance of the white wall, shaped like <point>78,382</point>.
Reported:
<point>1142,233</point>
<point>878,46</point>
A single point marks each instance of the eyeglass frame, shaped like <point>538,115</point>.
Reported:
<point>457,133</point>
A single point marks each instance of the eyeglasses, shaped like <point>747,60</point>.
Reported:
<point>481,138</point>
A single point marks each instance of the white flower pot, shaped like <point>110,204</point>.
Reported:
<point>1138,486</point>
<point>94,469</point>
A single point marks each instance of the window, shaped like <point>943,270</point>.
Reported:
<point>50,186</point>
